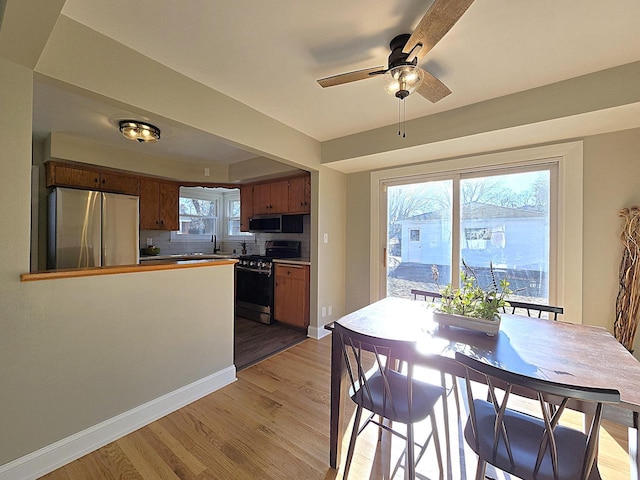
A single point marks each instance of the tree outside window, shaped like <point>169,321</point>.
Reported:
<point>198,216</point>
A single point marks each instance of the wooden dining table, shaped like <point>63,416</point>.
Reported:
<point>558,351</point>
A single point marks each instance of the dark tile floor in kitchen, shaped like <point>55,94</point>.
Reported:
<point>255,341</point>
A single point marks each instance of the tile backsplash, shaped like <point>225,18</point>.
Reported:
<point>255,245</point>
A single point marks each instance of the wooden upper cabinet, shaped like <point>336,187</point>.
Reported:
<point>282,196</point>
<point>119,183</point>
<point>246,207</point>
<point>169,200</point>
<point>279,196</point>
<point>159,205</point>
<point>300,195</point>
<point>261,200</point>
<point>70,176</point>
<point>62,175</point>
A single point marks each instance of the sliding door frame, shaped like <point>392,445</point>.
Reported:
<point>566,212</point>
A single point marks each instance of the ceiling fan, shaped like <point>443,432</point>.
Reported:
<point>407,50</point>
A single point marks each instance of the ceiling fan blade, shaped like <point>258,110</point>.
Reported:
<point>432,89</point>
<point>350,76</point>
<point>441,16</point>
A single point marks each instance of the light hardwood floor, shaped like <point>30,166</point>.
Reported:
<point>273,423</point>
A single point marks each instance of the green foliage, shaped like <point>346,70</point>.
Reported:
<point>471,300</point>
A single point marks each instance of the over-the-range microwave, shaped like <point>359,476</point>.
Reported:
<point>276,223</point>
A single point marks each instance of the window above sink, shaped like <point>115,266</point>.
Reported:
<point>204,212</point>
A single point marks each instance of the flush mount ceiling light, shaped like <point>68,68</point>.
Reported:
<point>139,131</point>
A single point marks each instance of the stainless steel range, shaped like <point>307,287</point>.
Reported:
<point>255,280</point>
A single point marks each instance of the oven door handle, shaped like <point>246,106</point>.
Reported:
<point>256,270</point>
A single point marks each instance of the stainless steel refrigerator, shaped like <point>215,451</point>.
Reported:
<point>92,229</point>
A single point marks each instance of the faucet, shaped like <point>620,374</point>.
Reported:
<point>214,239</point>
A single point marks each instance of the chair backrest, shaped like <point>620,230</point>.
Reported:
<point>532,309</point>
<point>426,295</point>
<point>550,413</point>
<point>383,357</point>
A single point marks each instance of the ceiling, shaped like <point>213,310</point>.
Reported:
<point>268,54</point>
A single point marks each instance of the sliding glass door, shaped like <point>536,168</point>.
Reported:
<point>419,219</point>
<point>498,219</point>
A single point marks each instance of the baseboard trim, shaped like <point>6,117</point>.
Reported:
<point>317,333</point>
<point>68,449</point>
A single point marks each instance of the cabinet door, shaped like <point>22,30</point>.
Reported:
<point>168,206</point>
<point>280,197</point>
<point>246,207</point>
<point>114,182</point>
<point>149,204</point>
<point>262,199</point>
<point>300,195</point>
<point>292,295</point>
<point>66,176</point>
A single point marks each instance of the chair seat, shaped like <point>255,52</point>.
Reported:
<point>525,433</point>
<point>425,397</point>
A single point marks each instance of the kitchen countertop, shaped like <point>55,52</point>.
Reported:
<point>148,266</point>
<point>188,256</point>
<point>293,261</point>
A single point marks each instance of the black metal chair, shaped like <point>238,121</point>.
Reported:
<point>433,297</point>
<point>436,297</point>
<point>524,445</point>
<point>532,309</point>
<point>386,392</point>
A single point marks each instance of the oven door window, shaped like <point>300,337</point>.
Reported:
<point>254,287</point>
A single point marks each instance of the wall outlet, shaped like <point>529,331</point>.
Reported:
<point>330,310</point>
<point>324,312</point>
<point>326,238</point>
<point>207,172</point>
<point>149,241</point>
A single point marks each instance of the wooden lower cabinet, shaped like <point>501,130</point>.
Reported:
<point>292,294</point>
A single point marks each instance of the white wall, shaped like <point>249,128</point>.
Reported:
<point>358,240</point>
<point>331,213</point>
<point>78,351</point>
<point>611,182</point>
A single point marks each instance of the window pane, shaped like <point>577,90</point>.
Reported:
<point>197,216</point>
<point>197,226</point>
<point>234,227</point>
<point>234,208</point>
<point>505,222</point>
<point>419,236</point>
<point>194,206</point>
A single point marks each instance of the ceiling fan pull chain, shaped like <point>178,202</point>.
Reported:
<point>399,103</point>
<point>404,119</point>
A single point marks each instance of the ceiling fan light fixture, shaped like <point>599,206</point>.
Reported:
<point>405,79</point>
<point>139,131</point>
